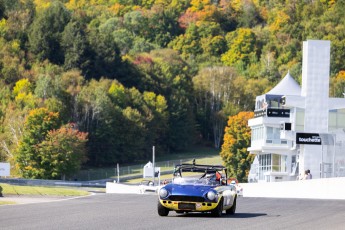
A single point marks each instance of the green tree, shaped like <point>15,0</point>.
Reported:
<point>46,32</point>
<point>105,59</point>
<point>12,61</point>
<point>162,25</point>
<point>168,75</point>
<point>234,149</point>
<point>37,125</point>
<point>215,90</point>
<point>76,47</point>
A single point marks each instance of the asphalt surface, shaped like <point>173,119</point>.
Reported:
<point>121,211</point>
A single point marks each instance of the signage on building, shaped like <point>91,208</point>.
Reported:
<point>278,112</point>
<point>4,169</point>
<point>308,138</point>
<point>269,112</point>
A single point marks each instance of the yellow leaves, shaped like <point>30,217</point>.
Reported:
<point>116,89</point>
<point>26,100</point>
<point>242,46</point>
<point>117,8</point>
<point>76,4</point>
<point>197,5</point>
<point>22,86</point>
<point>3,26</point>
<point>330,3</point>
<point>23,93</point>
<point>29,168</point>
<point>236,5</point>
<point>341,75</point>
<point>42,4</point>
<point>279,20</point>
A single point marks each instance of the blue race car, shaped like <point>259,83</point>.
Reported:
<point>198,188</point>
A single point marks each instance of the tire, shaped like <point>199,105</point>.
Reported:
<point>162,211</point>
<point>232,210</point>
<point>217,212</point>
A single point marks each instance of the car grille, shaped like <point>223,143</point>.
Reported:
<point>187,198</point>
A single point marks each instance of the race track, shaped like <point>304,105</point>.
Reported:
<point>120,211</point>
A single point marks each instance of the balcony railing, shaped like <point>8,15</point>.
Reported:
<point>272,112</point>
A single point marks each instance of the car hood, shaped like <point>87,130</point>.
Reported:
<point>189,190</point>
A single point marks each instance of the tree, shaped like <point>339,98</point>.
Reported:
<point>76,47</point>
<point>62,152</point>
<point>242,48</point>
<point>37,125</point>
<point>162,25</point>
<point>23,94</point>
<point>234,149</point>
<point>337,88</point>
<point>105,59</point>
<point>46,31</point>
<point>215,89</point>
<point>168,75</point>
<point>12,61</point>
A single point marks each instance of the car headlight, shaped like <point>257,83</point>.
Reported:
<point>211,195</point>
<point>163,193</point>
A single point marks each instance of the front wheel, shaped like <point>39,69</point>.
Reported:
<point>162,211</point>
<point>232,210</point>
<point>217,212</point>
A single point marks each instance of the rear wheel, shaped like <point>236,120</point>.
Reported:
<point>162,211</point>
<point>232,210</point>
<point>217,212</point>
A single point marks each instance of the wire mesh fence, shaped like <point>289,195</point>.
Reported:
<point>124,171</point>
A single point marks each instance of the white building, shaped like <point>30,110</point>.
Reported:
<point>298,128</point>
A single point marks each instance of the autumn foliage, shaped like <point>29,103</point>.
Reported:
<point>234,149</point>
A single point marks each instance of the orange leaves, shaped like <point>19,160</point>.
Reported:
<point>341,75</point>
<point>200,10</point>
<point>140,60</point>
<point>234,149</point>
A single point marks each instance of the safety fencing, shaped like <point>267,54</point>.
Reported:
<point>128,171</point>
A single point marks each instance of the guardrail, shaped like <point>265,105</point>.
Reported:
<point>37,182</point>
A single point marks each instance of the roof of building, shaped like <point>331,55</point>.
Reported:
<point>287,86</point>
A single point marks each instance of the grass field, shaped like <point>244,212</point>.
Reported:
<point>9,189</point>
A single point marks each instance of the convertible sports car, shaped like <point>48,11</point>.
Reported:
<point>198,188</point>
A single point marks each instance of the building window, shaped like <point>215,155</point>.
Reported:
<point>273,134</point>
<point>271,163</point>
<point>278,163</point>
<point>299,126</point>
<point>257,133</point>
<point>265,165</point>
<point>336,119</point>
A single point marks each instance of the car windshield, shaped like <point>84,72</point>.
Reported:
<point>196,179</point>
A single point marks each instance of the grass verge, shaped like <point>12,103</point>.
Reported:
<point>40,191</point>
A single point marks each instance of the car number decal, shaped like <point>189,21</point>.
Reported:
<point>187,206</point>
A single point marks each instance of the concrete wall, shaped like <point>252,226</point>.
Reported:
<point>122,188</point>
<point>328,188</point>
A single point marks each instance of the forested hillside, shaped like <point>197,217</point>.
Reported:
<point>99,82</point>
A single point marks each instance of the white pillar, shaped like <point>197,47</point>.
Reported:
<point>315,89</point>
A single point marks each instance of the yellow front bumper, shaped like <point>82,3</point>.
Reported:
<point>199,206</point>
